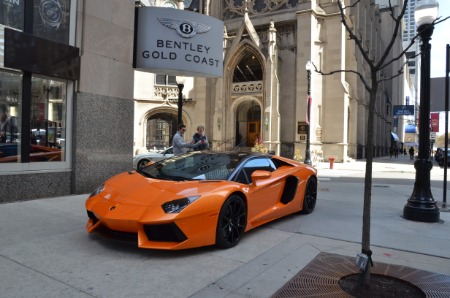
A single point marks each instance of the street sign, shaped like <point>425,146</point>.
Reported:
<point>403,110</point>
<point>432,135</point>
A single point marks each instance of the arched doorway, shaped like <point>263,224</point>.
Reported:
<point>248,123</point>
<point>160,130</point>
<point>247,90</point>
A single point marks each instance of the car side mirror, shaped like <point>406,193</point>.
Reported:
<point>260,175</point>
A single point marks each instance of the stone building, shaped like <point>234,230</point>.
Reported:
<point>263,91</point>
<point>87,112</point>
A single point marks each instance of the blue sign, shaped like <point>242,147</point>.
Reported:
<point>403,110</point>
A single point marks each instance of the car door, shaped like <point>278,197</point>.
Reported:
<point>263,196</point>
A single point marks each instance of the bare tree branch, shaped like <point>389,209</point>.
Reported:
<point>353,36</point>
<point>398,25</point>
<point>412,42</point>
<point>399,73</point>
<point>400,55</point>
<point>438,20</point>
<point>361,77</point>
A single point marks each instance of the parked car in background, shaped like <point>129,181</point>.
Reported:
<point>441,160</point>
<point>142,159</point>
<point>438,153</point>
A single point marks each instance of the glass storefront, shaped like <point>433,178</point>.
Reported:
<point>10,103</point>
<point>48,120</point>
<point>51,18</point>
<point>11,13</point>
<point>43,115</point>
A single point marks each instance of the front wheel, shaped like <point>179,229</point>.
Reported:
<point>232,222</point>
<point>310,198</point>
<point>142,163</point>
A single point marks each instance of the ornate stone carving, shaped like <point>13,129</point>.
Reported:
<point>237,8</point>
<point>247,87</point>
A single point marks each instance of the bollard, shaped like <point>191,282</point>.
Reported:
<point>331,160</point>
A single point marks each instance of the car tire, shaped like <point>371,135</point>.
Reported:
<point>142,163</point>
<point>232,222</point>
<point>310,197</point>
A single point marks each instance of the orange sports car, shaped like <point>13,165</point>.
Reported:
<point>200,198</point>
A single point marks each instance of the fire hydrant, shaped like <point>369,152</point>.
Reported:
<point>331,160</point>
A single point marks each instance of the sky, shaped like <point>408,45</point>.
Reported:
<point>439,41</point>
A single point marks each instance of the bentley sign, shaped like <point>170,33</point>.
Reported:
<point>177,42</point>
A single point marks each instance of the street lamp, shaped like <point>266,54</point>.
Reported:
<point>308,115</point>
<point>421,206</point>
<point>180,84</point>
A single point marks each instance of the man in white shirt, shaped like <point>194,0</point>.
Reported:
<point>179,144</point>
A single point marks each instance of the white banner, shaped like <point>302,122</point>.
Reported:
<point>178,42</point>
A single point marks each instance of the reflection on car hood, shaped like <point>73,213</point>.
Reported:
<point>134,189</point>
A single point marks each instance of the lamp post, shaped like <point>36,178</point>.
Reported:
<point>421,206</point>
<point>308,116</point>
<point>180,84</point>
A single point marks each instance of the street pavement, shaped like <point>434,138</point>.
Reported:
<point>46,252</point>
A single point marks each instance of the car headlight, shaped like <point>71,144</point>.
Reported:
<point>97,191</point>
<point>176,206</point>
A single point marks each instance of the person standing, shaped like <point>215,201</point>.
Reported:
<point>7,126</point>
<point>411,153</point>
<point>180,146</point>
<point>200,136</point>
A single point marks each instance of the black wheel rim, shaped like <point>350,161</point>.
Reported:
<point>232,222</point>
<point>311,195</point>
<point>142,164</point>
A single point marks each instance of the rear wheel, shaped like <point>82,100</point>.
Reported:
<point>310,198</point>
<point>232,222</point>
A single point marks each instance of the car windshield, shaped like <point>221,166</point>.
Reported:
<point>197,165</point>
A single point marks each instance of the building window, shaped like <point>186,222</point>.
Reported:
<point>165,80</point>
<point>48,117</point>
<point>11,14</point>
<point>51,18</point>
<point>10,102</point>
<point>48,120</point>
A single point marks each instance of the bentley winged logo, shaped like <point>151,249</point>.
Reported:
<point>185,29</point>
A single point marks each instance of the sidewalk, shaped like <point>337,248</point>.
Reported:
<point>335,228</point>
<point>46,252</point>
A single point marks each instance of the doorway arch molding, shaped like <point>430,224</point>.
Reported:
<point>161,110</point>
<point>231,103</point>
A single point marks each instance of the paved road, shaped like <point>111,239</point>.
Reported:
<point>45,251</point>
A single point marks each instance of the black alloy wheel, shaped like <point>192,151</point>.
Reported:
<point>310,198</point>
<point>142,163</point>
<point>232,222</point>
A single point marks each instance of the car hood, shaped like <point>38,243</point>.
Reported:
<point>132,188</point>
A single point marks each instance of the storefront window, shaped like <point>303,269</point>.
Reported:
<point>10,100</point>
<point>48,120</point>
<point>11,13</point>
<point>51,19</point>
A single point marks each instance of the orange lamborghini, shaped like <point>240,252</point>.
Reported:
<point>200,198</point>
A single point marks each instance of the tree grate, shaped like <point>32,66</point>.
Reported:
<point>321,276</point>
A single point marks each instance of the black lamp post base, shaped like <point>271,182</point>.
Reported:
<point>421,213</point>
<point>421,206</point>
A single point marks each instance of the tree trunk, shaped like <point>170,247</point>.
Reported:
<point>368,174</point>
